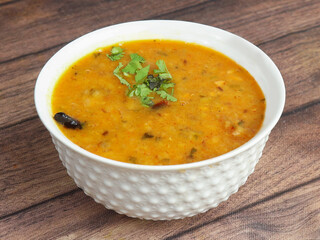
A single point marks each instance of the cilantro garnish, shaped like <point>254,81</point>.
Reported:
<point>166,95</point>
<point>146,84</point>
<point>134,64</point>
<point>116,72</point>
<point>142,74</point>
<point>162,71</point>
<point>165,86</point>
<point>142,91</point>
<point>132,67</point>
<point>136,57</point>
<point>116,53</point>
<point>162,67</point>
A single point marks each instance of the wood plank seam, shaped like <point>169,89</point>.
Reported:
<point>33,53</point>
<point>302,107</point>
<point>41,203</point>
<point>203,4</point>
<point>291,48</point>
<point>281,12</point>
<point>288,35</point>
<point>19,122</point>
<point>8,3</point>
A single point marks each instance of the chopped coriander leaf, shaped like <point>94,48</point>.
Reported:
<point>116,50</point>
<point>134,64</point>
<point>166,95</point>
<point>162,71</point>
<point>145,83</point>
<point>132,67</point>
<point>142,91</point>
<point>146,101</point>
<point>115,57</point>
<point>162,67</point>
<point>137,57</point>
<point>131,92</point>
<point>171,98</point>
<point>116,53</point>
<point>165,86</point>
<point>142,74</point>
<point>116,72</point>
<point>165,76</point>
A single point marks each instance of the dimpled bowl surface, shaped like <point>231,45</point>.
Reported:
<point>166,194</point>
<point>162,192</point>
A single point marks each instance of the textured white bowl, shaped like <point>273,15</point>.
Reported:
<point>162,192</point>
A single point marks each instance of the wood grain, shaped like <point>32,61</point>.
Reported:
<point>258,221</point>
<point>77,216</point>
<point>7,2</point>
<point>18,79</point>
<point>31,171</point>
<point>257,21</point>
<point>280,200</point>
<point>31,26</point>
<point>297,55</point>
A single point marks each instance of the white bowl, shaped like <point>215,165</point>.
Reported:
<point>162,192</point>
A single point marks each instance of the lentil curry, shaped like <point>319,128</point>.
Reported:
<point>210,104</point>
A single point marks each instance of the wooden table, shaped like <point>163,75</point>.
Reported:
<point>281,199</point>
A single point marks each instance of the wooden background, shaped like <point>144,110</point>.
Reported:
<point>281,199</point>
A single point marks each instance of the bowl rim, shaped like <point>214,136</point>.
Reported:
<point>180,167</point>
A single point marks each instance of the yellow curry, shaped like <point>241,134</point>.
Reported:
<point>204,105</point>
